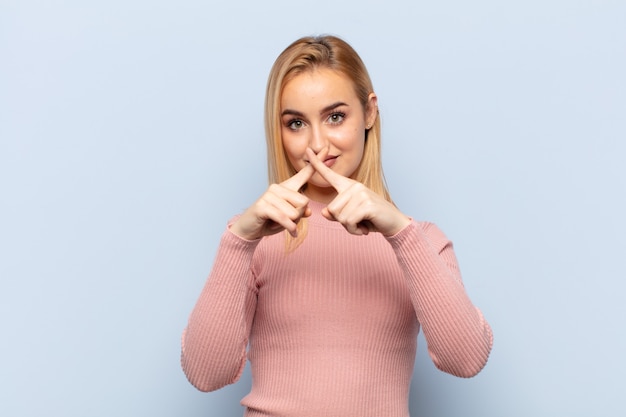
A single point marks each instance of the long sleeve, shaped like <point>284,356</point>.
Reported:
<point>215,339</point>
<point>331,327</point>
<point>458,337</point>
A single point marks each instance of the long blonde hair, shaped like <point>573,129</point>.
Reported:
<point>307,54</point>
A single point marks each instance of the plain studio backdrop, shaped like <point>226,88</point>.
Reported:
<point>131,131</point>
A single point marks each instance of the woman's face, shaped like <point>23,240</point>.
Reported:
<point>320,109</point>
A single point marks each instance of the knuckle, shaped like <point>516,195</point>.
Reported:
<point>293,214</point>
<point>261,203</point>
<point>359,188</point>
<point>273,188</point>
<point>303,200</point>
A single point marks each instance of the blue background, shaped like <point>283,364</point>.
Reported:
<point>130,131</point>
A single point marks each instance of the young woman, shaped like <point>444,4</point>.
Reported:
<point>323,283</point>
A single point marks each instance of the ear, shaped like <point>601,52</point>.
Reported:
<point>371,110</point>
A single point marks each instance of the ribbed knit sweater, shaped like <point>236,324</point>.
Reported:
<point>330,329</point>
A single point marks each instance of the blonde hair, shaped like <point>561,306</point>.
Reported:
<point>308,54</point>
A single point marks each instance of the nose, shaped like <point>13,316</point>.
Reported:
<point>317,139</point>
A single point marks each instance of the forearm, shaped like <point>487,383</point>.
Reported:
<point>214,342</point>
<point>459,339</point>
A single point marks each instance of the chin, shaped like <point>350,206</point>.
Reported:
<point>319,182</point>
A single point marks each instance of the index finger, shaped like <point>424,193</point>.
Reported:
<point>299,179</point>
<point>337,181</point>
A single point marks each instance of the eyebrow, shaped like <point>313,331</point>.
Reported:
<point>324,110</point>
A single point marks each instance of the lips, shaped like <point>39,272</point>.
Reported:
<point>329,161</point>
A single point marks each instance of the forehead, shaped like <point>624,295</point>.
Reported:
<point>318,85</point>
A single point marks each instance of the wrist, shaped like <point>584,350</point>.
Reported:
<point>237,229</point>
<point>398,226</point>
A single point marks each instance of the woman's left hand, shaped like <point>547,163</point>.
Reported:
<point>359,209</point>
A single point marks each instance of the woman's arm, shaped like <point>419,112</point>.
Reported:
<point>459,338</point>
<point>215,340</point>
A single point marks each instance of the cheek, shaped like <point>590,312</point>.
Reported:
<point>351,140</point>
<point>294,149</point>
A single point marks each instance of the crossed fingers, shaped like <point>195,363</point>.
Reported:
<point>354,204</point>
<point>337,181</point>
<point>358,209</point>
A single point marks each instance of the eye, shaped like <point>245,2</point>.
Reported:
<point>336,118</point>
<point>295,124</point>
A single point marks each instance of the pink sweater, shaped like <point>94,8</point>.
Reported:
<point>331,327</point>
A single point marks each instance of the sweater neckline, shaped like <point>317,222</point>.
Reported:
<point>317,219</point>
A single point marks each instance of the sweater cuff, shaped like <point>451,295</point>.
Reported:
<point>409,231</point>
<point>233,242</point>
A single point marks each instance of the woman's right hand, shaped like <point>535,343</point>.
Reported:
<point>279,208</point>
